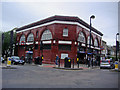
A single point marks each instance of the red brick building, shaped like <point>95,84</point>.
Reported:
<point>62,35</point>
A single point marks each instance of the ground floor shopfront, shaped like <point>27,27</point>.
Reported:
<point>61,48</point>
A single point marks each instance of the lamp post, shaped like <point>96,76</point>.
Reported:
<point>116,45</point>
<point>92,17</point>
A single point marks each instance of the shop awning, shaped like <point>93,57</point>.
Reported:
<point>29,52</point>
<point>81,52</point>
<point>90,53</point>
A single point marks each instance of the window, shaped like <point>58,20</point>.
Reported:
<point>36,46</point>
<point>96,43</point>
<point>65,32</point>
<point>47,46</point>
<point>37,34</point>
<point>22,47</point>
<point>46,35</point>
<point>22,38</point>
<point>88,40</point>
<point>81,37</point>
<point>65,47</point>
<point>30,38</point>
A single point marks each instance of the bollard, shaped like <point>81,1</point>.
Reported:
<point>78,62</point>
<point>73,63</point>
<point>59,63</point>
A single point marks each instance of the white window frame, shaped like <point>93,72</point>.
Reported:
<point>88,40</point>
<point>29,37</point>
<point>96,43</point>
<point>80,37</point>
<point>65,32</point>
<point>47,35</point>
<point>22,38</point>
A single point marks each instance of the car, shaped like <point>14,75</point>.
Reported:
<point>16,60</point>
<point>107,63</point>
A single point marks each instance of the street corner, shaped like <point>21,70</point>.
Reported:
<point>63,68</point>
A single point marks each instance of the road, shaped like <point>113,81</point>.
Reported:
<point>29,76</point>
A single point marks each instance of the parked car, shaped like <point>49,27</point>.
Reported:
<point>107,63</point>
<point>16,60</point>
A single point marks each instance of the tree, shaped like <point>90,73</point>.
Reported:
<point>6,45</point>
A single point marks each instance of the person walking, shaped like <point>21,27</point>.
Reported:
<point>57,58</point>
<point>89,61</point>
<point>92,61</point>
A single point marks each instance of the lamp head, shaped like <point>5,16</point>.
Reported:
<point>117,34</point>
<point>92,17</point>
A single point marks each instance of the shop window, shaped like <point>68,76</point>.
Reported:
<point>30,37</point>
<point>46,35</point>
<point>36,46</point>
<point>47,46</point>
<point>65,32</point>
<point>22,47</point>
<point>29,48</point>
<point>65,47</point>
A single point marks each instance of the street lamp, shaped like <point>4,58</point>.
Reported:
<point>92,17</point>
<point>116,45</point>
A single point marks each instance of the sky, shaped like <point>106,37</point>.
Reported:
<point>17,14</point>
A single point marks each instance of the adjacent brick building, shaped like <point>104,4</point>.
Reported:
<point>62,35</point>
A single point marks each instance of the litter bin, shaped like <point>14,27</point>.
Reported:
<point>37,60</point>
<point>67,62</point>
<point>41,59</point>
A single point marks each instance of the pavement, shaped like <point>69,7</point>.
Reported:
<point>81,66</point>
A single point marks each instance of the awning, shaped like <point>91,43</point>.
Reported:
<point>29,52</point>
<point>81,52</point>
<point>90,53</point>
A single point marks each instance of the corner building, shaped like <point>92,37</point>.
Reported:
<point>63,35</point>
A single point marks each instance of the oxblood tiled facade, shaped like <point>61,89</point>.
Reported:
<point>56,30</point>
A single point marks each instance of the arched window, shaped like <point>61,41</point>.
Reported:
<point>88,40</point>
<point>96,43</point>
<point>46,35</point>
<point>30,37</point>
<point>22,38</point>
<point>81,37</point>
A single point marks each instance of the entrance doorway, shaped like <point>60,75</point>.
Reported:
<point>81,55</point>
<point>29,57</point>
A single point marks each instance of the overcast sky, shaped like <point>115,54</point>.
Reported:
<point>17,14</point>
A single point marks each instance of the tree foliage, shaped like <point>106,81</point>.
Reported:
<point>7,40</point>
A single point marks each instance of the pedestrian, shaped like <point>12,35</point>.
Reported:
<point>22,57</point>
<point>2,59</point>
<point>92,61</point>
<point>89,61</point>
<point>57,58</point>
<point>29,60</point>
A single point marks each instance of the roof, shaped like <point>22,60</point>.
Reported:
<point>60,18</point>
